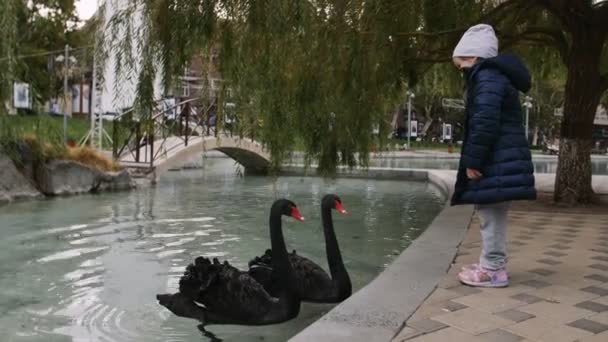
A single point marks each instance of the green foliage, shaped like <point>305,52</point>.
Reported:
<point>325,73</point>
<point>45,128</point>
<point>30,29</point>
<point>8,27</point>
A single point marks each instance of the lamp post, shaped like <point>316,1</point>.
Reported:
<point>528,105</point>
<point>66,66</point>
<point>410,95</point>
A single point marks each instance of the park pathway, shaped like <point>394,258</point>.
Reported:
<point>559,284</point>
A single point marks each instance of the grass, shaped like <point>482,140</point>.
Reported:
<point>44,135</point>
<point>90,157</point>
<point>44,127</point>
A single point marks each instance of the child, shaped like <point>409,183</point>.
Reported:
<point>496,163</point>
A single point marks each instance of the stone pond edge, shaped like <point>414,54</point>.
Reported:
<point>378,311</point>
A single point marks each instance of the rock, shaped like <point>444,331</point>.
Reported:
<point>13,185</point>
<point>27,160</point>
<point>62,177</point>
<point>116,181</point>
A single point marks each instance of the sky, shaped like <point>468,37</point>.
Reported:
<point>86,8</point>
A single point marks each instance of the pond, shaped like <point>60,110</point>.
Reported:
<point>87,268</point>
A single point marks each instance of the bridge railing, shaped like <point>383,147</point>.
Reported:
<point>139,141</point>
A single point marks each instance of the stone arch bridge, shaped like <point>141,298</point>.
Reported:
<point>178,133</point>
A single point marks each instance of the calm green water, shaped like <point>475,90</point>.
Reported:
<point>88,268</point>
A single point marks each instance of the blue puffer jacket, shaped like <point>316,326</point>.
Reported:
<point>495,141</point>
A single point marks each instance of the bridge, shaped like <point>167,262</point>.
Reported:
<point>175,134</point>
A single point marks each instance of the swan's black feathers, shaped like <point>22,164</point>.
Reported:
<point>312,280</point>
<point>220,287</point>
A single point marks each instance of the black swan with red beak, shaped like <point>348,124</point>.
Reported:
<point>313,283</point>
<point>218,293</point>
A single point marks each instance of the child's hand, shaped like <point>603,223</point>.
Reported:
<point>474,174</point>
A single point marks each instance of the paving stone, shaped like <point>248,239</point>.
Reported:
<point>535,283</point>
<point>489,302</point>
<point>406,334</point>
<point>555,254</point>
<point>589,325</point>
<point>515,315</point>
<point>517,243</point>
<point>601,300</point>
<point>500,335</point>
<point>526,298</point>
<point>559,246</point>
<point>564,240</point>
<point>601,267</point>
<point>538,329</point>
<point>542,271</point>
<point>549,262</point>
<point>524,237</point>
<point>571,230</point>
<point>448,334</point>
<point>600,318</point>
<point>602,337</point>
<point>568,237</point>
<point>558,313</point>
<point>592,306</point>
<point>427,325</point>
<point>452,306</point>
<point>441,295</point>
<point>473,321</point>
<point>599,250</point>
<point>427,311</point>
<point>600,258</point>
<point>449,283</point>
<point>597,277</point>
<point>465,290</point>
<point>562,294</point>
<point>596,290</point>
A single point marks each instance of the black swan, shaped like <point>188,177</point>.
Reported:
<point>229,296</point>
<point>313,283</point>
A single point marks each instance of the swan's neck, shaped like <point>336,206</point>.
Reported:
<point>337,269</point>
<point>280,258</point>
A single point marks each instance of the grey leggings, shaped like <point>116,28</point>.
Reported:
<point>493,219</point>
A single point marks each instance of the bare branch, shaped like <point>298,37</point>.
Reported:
<point>557,38</point>
<point>495,15</point>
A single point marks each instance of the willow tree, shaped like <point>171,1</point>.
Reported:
<point>328,70</point>
<point>8,48</point>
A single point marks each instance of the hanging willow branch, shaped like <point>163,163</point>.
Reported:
<point>321,73</point>
<point>8,48</point>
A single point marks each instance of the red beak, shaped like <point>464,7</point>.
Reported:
<point>340,208</point>
<point>295,213</point>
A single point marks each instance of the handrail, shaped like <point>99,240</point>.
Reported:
<point>146,140</point>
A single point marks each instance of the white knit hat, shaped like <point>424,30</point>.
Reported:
<point>479,41</point>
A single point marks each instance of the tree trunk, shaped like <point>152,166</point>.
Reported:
<point>429,120</point>
<point>535,136</point>
<point>583,93</point>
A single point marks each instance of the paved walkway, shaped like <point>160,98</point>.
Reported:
<point>559,284</point>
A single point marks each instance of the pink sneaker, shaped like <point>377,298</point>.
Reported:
<point>480,277</point>
<point>470,267</point>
